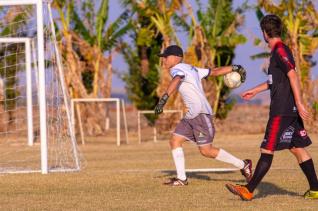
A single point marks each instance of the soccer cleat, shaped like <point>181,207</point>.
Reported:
<point>310,194</point>
<point>246,171</point>
<point>176,182</point>
<point>241,191</point>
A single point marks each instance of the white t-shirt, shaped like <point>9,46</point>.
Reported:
<point>191,89</point>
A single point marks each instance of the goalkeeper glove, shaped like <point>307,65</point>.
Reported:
<point>240,70</point>
<point>159,107</point>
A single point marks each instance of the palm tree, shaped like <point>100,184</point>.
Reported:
<point>74,68</point>
<point>97,38</point>
<point>153,23</point>
<point>213,38</point>
<point>160,14</point>
<point>89,43</point>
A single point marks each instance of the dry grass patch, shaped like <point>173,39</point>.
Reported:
<point>129,178</point>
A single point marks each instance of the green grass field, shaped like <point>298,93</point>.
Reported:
<point>130,177</point>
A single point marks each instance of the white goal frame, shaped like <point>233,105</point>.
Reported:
<point>27,43</point>
<point>118,102</point>
<point>154,128</point>
<point>41,67</point>
<point>40,82</point>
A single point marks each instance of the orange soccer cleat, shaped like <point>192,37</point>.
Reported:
<point>241,191</point>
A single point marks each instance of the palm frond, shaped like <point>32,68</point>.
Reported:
<point>115,26</point>
<point>179,21</point>
<point>262,55</point>
<point>81,29</point>
<point>259,13</point>
<point>101,20</point>
<point>114,38</point>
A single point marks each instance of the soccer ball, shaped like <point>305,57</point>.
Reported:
<point>232,80</point>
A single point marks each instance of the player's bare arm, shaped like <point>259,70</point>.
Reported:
<point>227,69</point>
<point>249,94</point>
<point>294,83</point>
<point>174,84</point>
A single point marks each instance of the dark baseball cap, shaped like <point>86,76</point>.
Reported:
<point>172,50</point>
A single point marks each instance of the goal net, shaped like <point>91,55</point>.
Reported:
<point>35,118</point>
<point>154,128</point>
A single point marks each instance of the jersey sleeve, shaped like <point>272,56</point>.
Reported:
<point>203,72</point>
<point>177,72</point>
<point>285,60</point>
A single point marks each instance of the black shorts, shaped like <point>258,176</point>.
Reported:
<point>285,132</point>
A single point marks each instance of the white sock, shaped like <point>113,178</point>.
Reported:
<point>178,158</point>
<point>226,157</point>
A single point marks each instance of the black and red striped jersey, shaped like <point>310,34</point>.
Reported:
<point>282,98</point>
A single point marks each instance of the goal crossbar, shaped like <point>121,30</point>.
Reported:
<point>18,2</point>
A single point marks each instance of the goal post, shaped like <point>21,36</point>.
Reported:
<point>120,111</point>
<point>42,98</point>
<point>41,88</point>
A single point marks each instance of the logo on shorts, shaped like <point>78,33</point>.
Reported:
<point>287,135</point>
<point>201,135</point>
<point>270,79</point>
<point>303,133</point>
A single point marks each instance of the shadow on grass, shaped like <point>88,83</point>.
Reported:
<point>264,189</point>
<point>267,188</point>
<point>204,176</point>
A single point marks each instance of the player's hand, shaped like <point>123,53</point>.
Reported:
<point>159,107</point>
<point>247,95</point>
<point>304,114</point>
<point>240,70</point>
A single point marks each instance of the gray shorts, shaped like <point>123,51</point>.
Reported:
<point>199,130</point>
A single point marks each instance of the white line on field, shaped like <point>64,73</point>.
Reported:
<point>204,170</point>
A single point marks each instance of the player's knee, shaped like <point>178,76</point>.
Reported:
<point>172,143</point>
<point>266,151</point>
<point>206,152</point>
<point>175,143</point>
<point>296,150</point>
<point>300,153</point>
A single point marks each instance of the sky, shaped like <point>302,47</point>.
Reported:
<point>243,52</point>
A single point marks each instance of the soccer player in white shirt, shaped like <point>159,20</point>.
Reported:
<point>197,125</point>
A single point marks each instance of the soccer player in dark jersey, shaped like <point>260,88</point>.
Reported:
<point>285,128</point>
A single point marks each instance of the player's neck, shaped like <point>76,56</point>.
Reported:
<point>273,41</point>
<point>175,64</point>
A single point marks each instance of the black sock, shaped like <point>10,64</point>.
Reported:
<point>262,167</point>
<point>309,170</point>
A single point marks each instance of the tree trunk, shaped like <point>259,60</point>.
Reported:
<point>96,72</point>
<point>74,70</point>
<point>303,72</point>
<point>144,61</point>
<point>109,72</point>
